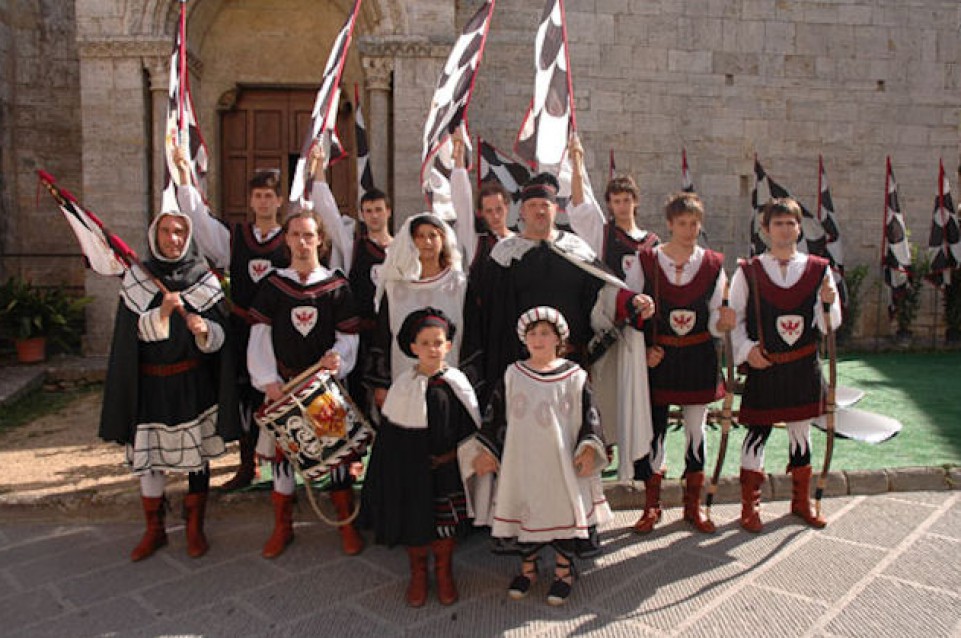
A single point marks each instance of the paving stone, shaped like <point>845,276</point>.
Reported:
<point>781,615</point>
<point>228,618</point>
<point>117,580</point>
<point>593,625</point>
<point>290,597</point>
<point>892,608</point>
<point>949,524</point>
<point>28,608</point>
<point>822,569</point>
<point>881,521</point>
<point>329,621</point>
<point>86,558</point>
<point>207,586</point>
<point>670,592</point>
<point>110,618</point>
<point>33,542</point>
<point>931,561</point>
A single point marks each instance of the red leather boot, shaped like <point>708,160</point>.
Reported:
<point>155,536</point>
<point>751,481</point>
<point>801,496</point>
<point>444,570</point>
<point>196,506</point>
<point>652,505</point>
<point>417,589</point>
<point>283,533</point>
<point>693,484</point>
<point>350,538</point>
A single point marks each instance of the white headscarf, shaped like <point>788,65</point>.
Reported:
<point>402,262</point>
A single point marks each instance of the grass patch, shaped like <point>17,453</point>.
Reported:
<point>918,389</point>
<point>39,404</point>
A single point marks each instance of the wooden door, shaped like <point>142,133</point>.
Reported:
<point>264,130</point>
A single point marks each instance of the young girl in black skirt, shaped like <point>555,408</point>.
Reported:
<point>413,493</point>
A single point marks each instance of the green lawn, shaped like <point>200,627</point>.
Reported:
<point>920,390</point>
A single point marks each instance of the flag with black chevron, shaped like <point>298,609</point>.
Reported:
<point>687,182</point>
<point>365,176</point>
<point>944,242</point>
<point>323,117</point>
<point>181,128</point>
<point>512,174</point>
<point>104,252</point>
<point>895,250</point>
<point>448,112</point>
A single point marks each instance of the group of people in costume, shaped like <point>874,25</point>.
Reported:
<point>499,366</point>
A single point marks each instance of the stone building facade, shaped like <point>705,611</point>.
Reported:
<point>83,88</point>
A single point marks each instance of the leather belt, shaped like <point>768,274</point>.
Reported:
<point>168,369</point>
<point>681,342</point>
<point>792,355</point>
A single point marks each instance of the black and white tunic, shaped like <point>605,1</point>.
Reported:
<point>413,490</point>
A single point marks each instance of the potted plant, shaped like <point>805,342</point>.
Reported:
<point>31,316</point>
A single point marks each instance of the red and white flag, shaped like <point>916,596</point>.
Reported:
<point>365,177</point>
<point>944,242</point>
<point>104,252</point>
<point>895,250</point>
<point>323,118</point>
<point>448,112</point>
<point>181,128</point>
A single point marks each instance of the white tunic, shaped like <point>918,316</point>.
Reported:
<point>539,496</point>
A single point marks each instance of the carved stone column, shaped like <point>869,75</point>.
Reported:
<point>378,73</point>
<point>158,70</point>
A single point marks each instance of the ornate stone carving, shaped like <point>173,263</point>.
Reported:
<point>377,72</point>
<point>404,47</point>
<point>228,100</point>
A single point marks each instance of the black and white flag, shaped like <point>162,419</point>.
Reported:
<point>944,242</point>
<point>365,177</point>
<point>895,250</point>
<point>323,118</point>
<point>448,112</point>
<point>492,165</point>
<point>181,128</point>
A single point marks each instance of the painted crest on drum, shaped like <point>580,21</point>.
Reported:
<point>682,321</point>
<point>304,319</point>
<point>258,269</point>
<point>790,328</point>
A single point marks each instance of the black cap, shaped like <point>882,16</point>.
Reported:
<point>417,321</point>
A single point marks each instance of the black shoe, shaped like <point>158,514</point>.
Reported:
<point>560,589</point>
<point>521,585</point>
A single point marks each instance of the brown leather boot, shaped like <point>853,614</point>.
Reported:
<point>417,589</point>
<point>751,481</point>
<point>444,570</point>
<point>283,533</point>
<point>801,496</point>
<point>350,538</point>
<point>155,535</point>
<point>248,466</point>
<point>652,505</point>
<point>693,483</point>
<point>196,505</point>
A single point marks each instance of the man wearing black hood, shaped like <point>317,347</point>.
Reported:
<point>169,396</point>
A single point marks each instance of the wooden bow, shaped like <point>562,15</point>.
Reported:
<point>829,408</point>
<point>726,413</point>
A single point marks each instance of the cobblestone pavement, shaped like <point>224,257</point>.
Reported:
<point>886,565</point>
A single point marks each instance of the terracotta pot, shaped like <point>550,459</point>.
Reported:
<point>31,350</point>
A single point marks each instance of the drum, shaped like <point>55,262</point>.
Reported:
<point>316,424</point>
